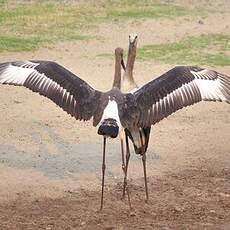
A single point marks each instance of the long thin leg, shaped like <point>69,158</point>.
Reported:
<point>126,164</point>
<point>145,176</point>
<point>123,159</point>
<point>103,173</point>
<point>122,156</point>
<point>125,184</point>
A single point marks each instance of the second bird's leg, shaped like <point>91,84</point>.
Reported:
<point>103,173</point>
<point>145,176</point>
<point>123,159</point>
<point>126,164</point>
<point>122,156</point>
<point>125,184</point>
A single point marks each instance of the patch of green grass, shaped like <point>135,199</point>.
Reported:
<point>148,9</point>
<point>39,23</point>
<point>208,49</point>
<point>19,44</point>
<point>53,21</point>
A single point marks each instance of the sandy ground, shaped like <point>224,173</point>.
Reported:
<point>50,164</point>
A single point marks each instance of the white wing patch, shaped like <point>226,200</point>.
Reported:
<point>15,75</point>
<point>210,89</point>
<point>210,85</point>
<point>20,72</point>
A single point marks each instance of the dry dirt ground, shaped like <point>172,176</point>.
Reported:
<point>50,164</point>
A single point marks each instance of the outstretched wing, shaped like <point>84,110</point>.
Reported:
<point>179,87</point>
<point>55,82</point>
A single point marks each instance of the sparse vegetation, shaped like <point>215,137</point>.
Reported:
<point>27,26</point>
<point>148,9</point>
<point>14,43</point>
<point>43,22</point>
<point>37,24</point>
<point>206,49</point>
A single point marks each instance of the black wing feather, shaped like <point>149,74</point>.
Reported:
<point>178,88</point>
<point>55,82</point>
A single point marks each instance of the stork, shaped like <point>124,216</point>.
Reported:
<point>113,110</point>
<point>138,136</point>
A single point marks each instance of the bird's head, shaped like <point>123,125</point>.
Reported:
<point>133,39</point>
<point>119,51</point>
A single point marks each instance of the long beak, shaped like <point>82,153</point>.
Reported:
<point>123,64</point>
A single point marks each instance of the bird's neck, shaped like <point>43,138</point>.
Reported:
<point>128,75</point>
<point>117,74</point>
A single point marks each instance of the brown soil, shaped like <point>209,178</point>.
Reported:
<point>50,164</point>
<point>195,198</point>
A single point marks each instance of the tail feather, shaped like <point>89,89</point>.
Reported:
<point>140,139</point>
<point>109,128</point>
